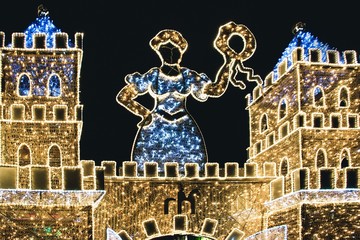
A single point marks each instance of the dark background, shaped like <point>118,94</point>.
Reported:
<point>116,37</point>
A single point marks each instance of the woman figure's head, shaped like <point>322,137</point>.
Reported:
<point>170,45</point>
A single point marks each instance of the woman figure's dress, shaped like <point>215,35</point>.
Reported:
<point>172,134</point>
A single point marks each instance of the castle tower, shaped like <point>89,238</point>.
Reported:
<point>306,115</point>
<point>304,121</point>
<point>40,128</point>
<point>41,114</point>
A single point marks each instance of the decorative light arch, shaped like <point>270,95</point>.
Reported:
<point>284,167</point>
<point>320,158</point>
<point>24,85</point>
<point>344,98</point>
<point>345,160</point>
<point>263,123</point>
<point>54,85</point>
<point>318,97</point>
<point>282,109</point>
<point>24,155</point>
<point>54,156</point>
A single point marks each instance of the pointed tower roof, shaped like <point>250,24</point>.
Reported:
<point>42,24</point>
<point>306,40</point>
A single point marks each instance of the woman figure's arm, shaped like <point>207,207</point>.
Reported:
<point>126,97</point>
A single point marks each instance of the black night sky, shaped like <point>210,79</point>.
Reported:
<point>116,42</point>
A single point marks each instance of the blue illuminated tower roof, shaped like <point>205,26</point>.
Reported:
<point>42,24</point>
<point>306,40</point>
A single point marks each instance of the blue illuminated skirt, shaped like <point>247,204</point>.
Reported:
<point>179,140</point>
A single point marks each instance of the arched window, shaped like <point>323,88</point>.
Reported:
<point>284,167</point>
<point>282,109</point>
<point>54,156</point>
<point>24,85</point>
<point>344,97</point>
<point>263,123</point>
<point>54,86</point>
<point>344,158</point>
<point>24,155</point>
<point>320,158</point>
<point>318,97</point>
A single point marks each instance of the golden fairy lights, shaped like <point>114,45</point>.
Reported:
<point>301,179</point>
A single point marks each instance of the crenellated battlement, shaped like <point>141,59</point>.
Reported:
<point>326,178</point>
<point>39,40</point>
<point>171,171</point>
<point>314,56</point>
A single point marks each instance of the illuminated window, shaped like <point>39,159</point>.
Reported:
<point>60,112</point>
<point>284,167</point>
<point>344,97</point>
<point>54,86</point>
<point>270,139</point>
<point>263,123</point>
<point>17,112</point>
<point>301,121</point>
<point>318,120</point>
<point>352,121</point>
<point>257,147</point>
<point>318,97</point>
<point>54,156</point>
<point>320,158</point>
<point>24,157</point>
<point>282,109</point>
<point>38,112</point>
<point>335,121</point>
<point>344,158</point>
<point>24,85</point>
<point>284,130</point>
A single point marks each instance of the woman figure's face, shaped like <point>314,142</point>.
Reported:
<point>170,53</point>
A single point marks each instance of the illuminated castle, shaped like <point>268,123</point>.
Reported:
<point>301,180</point>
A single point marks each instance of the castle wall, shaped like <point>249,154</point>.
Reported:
<point>319,221</point>
<point>39,138</point>
<point>287,149</point>
<point>235,203</point>
<point>334,143</point>
<point>268,104</point>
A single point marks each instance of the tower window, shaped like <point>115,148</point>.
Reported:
<point>263,123</point>
<point>335,121</point>
<point>318,121</point>
<point>301,120</point>
<point>24,85</point>
<point>258,147</point>
<point>17,112</point>
<point>344,97</point>
<point>60,113</point>
<point>54,156</point>
<point>270,139</point>
<point>284,167</point>
<point>320,159</point>
<point>54,86</point>
<point>284,130</point>
<point>344,159</point>
<point>318,97</point>
<point>352,121</point>
<point>282,109</point>
<point>24,157</point>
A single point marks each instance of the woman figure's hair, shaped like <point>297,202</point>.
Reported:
<point>166,36</point>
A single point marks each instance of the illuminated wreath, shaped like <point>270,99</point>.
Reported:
<point>226,31</point>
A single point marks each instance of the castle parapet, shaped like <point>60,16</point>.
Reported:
<point>61,41</point>
<point>327,180</point>
<point>314,55</point>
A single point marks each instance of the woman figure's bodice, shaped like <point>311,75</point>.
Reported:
<point>172,134</point>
